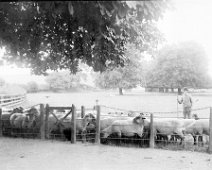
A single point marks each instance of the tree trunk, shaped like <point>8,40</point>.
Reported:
<point>161,89</point>
<point>172,90</point>
<point>179,91</point>
<point>120,91</point>
<point>167,90</point>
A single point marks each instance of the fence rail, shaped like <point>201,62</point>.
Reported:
<point>12,100</point>
<point>44,132</point>
<point>147,112</point>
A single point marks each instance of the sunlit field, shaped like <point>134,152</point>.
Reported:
<point>135,101</point>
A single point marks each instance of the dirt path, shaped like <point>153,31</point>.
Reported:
<point>29,154</point>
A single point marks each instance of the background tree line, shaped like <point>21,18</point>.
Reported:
<point>174,66</point>
<point>179,65</point>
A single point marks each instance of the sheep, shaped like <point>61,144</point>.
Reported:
<point>107,121</point>
<point>184,123</point>
<point>198,127</point>
<point>128,127</point>
<point>166,127</point>
<point>65,126</point>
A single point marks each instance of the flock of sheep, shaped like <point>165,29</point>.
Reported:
<point>121,126</point>
<point>20,122</point>
<point>137,126</point>
<point>165,129</point>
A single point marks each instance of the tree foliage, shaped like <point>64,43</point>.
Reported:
<point>32,87</point>
<point>179,65</point>
<point>126,77</point>
<point>64,80</point>
<point>57,35</point>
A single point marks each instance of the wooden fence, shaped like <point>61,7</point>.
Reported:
<point>72,111</point>
<point>11,101</point>
<point>46,111</point>
<point>152,139</point>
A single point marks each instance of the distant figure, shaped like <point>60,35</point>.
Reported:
<point>187,102</point>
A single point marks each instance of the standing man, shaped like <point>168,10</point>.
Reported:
<point>187,103</point>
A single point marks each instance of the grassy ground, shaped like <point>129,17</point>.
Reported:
<point>140,101</point>
<point>25,154</point>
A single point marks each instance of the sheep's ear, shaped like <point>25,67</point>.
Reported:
<point>137,119</point>
<point>92,117</point>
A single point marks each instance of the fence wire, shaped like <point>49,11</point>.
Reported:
<point>170,141</point>
<point>167,140</point>
<point>21,125</point>
<point>161,138</point>
<point>170,114</point>
<point>12,131</point>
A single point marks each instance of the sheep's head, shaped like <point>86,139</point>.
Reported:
<point>18,110</point>
<point>89,122</point>
<point>195,116</point>
<point>32,115</point>
<point>139,120</point>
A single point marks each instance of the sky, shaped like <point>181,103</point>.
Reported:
<point>190,20</point>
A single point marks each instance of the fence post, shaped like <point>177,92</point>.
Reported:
<point>82,116</point>
<point>97,137</point>
<point>73,133</point>
<point>42,125</point>
<point>47,122</point>
<point>210,132</point>
<point>152,139</point>
<point>82,111</point>
<point>1,122</point>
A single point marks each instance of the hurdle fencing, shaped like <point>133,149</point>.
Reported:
<point>7,129</point>
<point>154,142</point>
<point>11,101</point>
<point>68,119</point>
<point>108,112</point>
<point>73,115</point>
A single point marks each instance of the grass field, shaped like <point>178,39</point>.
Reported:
<point>134,100</point>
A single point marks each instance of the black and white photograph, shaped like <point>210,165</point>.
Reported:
<point>106,85</point>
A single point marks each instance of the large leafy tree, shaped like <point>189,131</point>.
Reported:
<point>57,35</point>
<point>126,77</point>
<point>179,65</point>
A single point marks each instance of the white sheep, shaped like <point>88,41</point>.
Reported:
<point>198,127</point>
<point>128,127</point>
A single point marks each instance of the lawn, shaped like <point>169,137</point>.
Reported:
<point>134,100</point>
